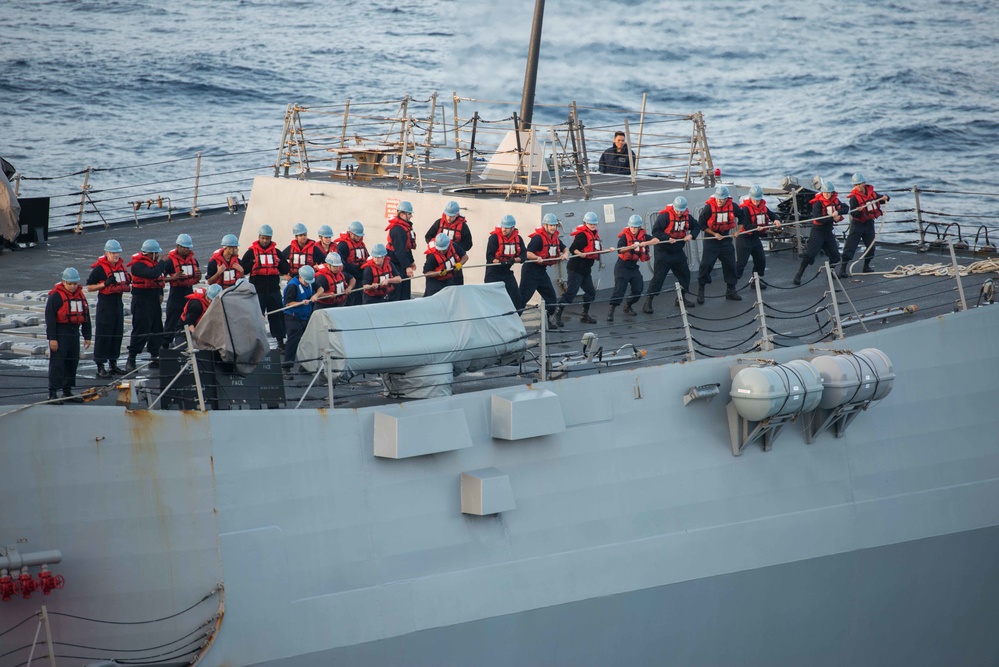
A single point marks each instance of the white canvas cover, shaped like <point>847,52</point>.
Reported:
<point>234,327</point>
<point>471,327</point>
<point>10,210</point>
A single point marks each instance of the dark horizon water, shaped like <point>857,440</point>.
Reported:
<point>904,92</point>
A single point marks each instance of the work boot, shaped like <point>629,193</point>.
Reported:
<point>687,303</point>
<point>130,363</point>
<point>627,309</point>
<point>843,273</point>
<point>610,314</point>
<point>867,267</point>
<point>647,308</point>
<point>558,317</point>
<point>154,362</point>
<point>54,397</point>
<point>115,369</point>
<point>797,276</point>
<point>102,372</point>
<point>763,283</point>
<point>585,317</point>
<point>731,294</point>
<point>552,322</point>
<point>70,397</point>
<point>700,294</point>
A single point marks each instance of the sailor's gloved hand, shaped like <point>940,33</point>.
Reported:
<point>457,267</point>
<point>110,280</point>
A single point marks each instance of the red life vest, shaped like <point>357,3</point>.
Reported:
<point>186,266</point>
<point>679,223</point>
<point>201,297</point>
<point>230,275</point>
<point>300,256</point>
<point>508,248</point>
<point>446,260</point>
<point>452,229</point>
<point>722,216</point>
<point>592,240</point>
<point>357,252</point>
<point>830,208</point>
<point>549,246</point>
<point>121,277</point>
<point>138,282</point>
<point>74,308</point>
<point>867,207</point>
<point>758,218</point>
<point>642,255</point>
<point>407,227</point>
<point>326,249</point>
<point>337,285</point>
<point>265,260</point>
<point>379,276</point>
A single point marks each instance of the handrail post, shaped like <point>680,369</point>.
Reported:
<point>632,162</point>
<point>329,376</point>
<point>83,201</point>
<point>962,304</point>
<point>835,302</point>
<point>194,366</point>
<point>686,324</point>
<point>797,222</point>
<point>402,152</point>
<point>197,181</point>
<point>555,166</point>
<point>582,148</point>
<point>544,342</point>
<point>457,135</point>
<point>283,143</point>
<point>641,130</point>
<point>471,146</point>
<point>430,128</point>
<point>919,220</point>
<point>48,636</point>
<point>17,184</point>
<point>343,133</point>
<point>766,343</point>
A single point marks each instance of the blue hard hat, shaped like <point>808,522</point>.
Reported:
<point>549,219</point>
<point>265,230</point>
<point>71,275</point>
<point>756,193</point>
<point>230,241</point>
<point>680,204</point>
<point>306,274</point>
<point>827,186</point>
<point>356,228</point>
<point>507,222</point>
<point>858,178</point>
<point>379,250</point>
<point>184,241</point>
<point>112,246</point>
<point>333,258</point>
<point>325,231</point>
<point>404,207</point>
<point>213,291</point>
<point>299,228</point>
<point>452,208</point>
<point>721,192</point>
<point>443,241</point>
<point>150,245</point>
<point>635,221</point>
<point>590,218</point>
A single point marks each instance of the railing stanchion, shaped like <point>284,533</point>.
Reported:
<point>83,201</point>
<point>691,356</point>
<point>197,181</point>
<point>962,304</point>
<point>838,323</point>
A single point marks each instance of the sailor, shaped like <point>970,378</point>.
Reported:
<point>148,280</point>
<point>615,160</point>
<point>671,231</point>
<point>543,250</point>
<point>444,260</point>
<point>504,249</point>
<point>454,224</point>
<point>718,219</point>
<point>325,244</point>
<point>379,278</point>
<point>224,268</point>
<point>298,308</point>
<point>584,250</point>
<point>197,304</point>
<point>333,286</point>
<point>66,313</point>
<point>827,210</point>
<point>302,251</point>
<point>756,221</point>
<point>353,252</point>
<point>183,273</point>
<point>632,248</point>
<point>265,265</point>
<point>109,278</point>
<point>400,245</point>
<point>865,208</point>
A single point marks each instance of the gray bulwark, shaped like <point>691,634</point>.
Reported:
<point>402,437</point>
<point>486,491</point>
<point>526,414</point>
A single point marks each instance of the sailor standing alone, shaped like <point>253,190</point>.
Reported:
<point>66,313</point>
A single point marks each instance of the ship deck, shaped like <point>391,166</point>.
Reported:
<point>720,327</point>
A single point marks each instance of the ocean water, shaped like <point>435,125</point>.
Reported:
<point>904,92</point>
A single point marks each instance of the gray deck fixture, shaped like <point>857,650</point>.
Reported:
<point>486,491</point>
<point>526,414</point>
<point>405,436</point>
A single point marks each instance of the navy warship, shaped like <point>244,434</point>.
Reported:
<point>807,476</point>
